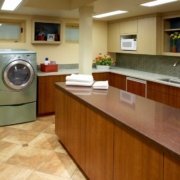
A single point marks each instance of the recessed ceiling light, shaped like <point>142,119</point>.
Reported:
<point>109,14</point>
<point>157,3</point>
<point>10,5</point>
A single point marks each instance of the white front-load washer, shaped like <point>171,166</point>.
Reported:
<point>17,86</point>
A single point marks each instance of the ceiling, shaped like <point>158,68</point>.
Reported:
<point>69,8</point>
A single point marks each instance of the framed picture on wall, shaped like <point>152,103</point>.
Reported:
<point>50,37</point>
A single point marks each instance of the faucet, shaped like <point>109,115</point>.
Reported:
<point>175,64</point>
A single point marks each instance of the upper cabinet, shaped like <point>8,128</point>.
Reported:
<point>144,29</point>
<point>46,32</point>
<point>148,38</point>
<point>114,37</point>
<point>128,27</point>
<point>171,35</point>
<point>118,30</point>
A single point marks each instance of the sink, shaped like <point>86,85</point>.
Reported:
<point>175,81</point>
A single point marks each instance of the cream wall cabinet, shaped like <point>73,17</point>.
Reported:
<point>128,27</point>
<point>114,37</point>
<point>147,30</point>
<point>148,36</point>
<point>118,29</point>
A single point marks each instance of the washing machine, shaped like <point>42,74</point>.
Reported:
<point>17,86</point>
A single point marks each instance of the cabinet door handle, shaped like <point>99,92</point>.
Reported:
<point>136,80</point>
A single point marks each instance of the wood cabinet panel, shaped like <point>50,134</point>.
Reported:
<point>171,167</point>
<point>99,152</point>
<point>87,136</point>
<point>70,127</point>
<point>136,87</point>
<point>163,93</point>
<point>106,149</point>
<point>45,94</point>
<point>117,80</point>
<point>61,116</point>
<point>135,158</point>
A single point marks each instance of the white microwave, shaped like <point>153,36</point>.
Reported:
<point>128,44</point>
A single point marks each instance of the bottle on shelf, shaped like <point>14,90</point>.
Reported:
<point>46,61</point>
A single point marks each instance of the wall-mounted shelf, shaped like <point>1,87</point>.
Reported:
<point>171,33</point>
<point>46,32</point>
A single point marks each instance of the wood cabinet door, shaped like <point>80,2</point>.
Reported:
<point>117,80</point>
<point>99,147</point>
<point>135,158</point>
<point>45,94</point>
<point>136,86</point>
<point>171,167</point>
<point>101,76</point>
<point>163,93</point>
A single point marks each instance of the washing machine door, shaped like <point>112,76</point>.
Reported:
<point>18,74</point>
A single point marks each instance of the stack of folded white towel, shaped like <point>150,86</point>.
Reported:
<point>79,80</point>
<point>101,85</point>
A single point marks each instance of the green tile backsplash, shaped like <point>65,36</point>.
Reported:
<point>150,63</point>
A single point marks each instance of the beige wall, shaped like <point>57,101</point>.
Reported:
<point>65,53</point>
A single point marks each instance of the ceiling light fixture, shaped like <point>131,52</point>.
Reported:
<point>10,5</point>
<point>157,3</point>
<point>109,14</point>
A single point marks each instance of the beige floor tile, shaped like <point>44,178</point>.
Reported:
<point>3,132</point>
<point>43,176</point>
<point>78,175</point>
<point>30,157</point>
<point>60,149</point>
<point>14,172</point>
<point>19,136</point>
<point>50,129</point>
<point>36,126</point>
<point>31,151</point>
<point>59,165</point>
<point>7,150</point>
<point>50,119</point>
<point>45,141</point>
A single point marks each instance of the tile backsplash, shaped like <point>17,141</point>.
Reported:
<point>167,65</point>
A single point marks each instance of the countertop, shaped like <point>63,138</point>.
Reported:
<point>123,71</point>
<point>158,122</point>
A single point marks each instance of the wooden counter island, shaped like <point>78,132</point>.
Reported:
<point>115,135</point>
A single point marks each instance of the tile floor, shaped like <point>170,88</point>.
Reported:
<point>31,151</point>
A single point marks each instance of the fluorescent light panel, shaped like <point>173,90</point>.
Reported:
<point>109,14</point>
<point>10,5</point>
<point>157,3</point>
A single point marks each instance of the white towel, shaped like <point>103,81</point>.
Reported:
<point>101,85</point>
<point>75,83</point>
<point>80,78</point>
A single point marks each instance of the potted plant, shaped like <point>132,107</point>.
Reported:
<point>175,42</point>
<point>103,61</point>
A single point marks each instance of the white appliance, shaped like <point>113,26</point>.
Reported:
<point>17,86</point>
<point>128,44</point>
